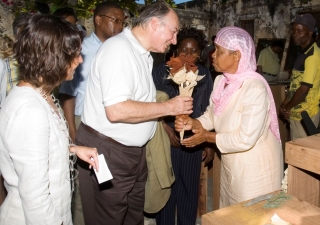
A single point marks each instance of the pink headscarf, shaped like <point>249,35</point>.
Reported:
<point>235,38</point>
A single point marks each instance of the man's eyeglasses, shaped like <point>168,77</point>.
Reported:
<point>116,21</point>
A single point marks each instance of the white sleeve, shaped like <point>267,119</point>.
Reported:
<point>28,144</point>
<point>254,115</point>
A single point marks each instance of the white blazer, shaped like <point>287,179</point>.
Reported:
<point>33,161</point>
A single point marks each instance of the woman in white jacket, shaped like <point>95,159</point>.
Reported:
<point>34,139</point>
<point>242,120</point>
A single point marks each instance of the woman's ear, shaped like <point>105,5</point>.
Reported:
<point>237,56</point>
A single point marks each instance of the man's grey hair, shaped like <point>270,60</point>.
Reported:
<point>158,9</point>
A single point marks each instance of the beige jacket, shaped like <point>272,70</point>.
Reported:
<point>160,172</point>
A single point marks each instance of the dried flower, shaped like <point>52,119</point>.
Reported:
<point>177,63</point>
<point>184,72</point>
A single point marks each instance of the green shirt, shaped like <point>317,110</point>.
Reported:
<point>269,61</point>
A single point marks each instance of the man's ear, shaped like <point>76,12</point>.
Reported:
<point>97,20</point>
<point>154,23</point>
<point>237,56</point>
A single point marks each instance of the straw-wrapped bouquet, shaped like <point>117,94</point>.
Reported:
<point>184,72</point>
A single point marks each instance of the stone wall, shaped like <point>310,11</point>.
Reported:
<point>197,19</point>
<point>270,20</point>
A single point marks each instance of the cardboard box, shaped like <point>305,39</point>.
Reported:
<point>293,210</point>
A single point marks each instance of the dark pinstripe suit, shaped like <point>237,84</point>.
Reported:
<point>186,162</point>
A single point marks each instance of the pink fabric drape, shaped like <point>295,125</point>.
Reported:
<point>235,38</point>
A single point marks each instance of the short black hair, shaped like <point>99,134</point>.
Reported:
<point>65,12</point>
<point>101,8</point>
<point>277,44</point>
<point>198,35</point>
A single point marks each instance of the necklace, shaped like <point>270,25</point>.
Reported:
<point>62,123</point>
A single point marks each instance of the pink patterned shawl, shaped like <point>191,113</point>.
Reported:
<point>235,38</point>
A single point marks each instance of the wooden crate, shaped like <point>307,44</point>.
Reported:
<point>293,211</point>
<point>303,158</point>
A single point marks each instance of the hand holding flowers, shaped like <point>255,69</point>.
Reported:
<point>184,72</point>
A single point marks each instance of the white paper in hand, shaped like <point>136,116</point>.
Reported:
<point>104,173</point>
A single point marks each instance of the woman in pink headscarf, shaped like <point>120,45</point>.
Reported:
<point>241,119</point>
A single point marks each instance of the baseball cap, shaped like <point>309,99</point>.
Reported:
<point>306,20</point>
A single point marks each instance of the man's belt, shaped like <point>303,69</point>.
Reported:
<point>93,131</point>
<point>273,75</point>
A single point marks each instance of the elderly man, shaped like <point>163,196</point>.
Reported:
<point>108,21</point>
<point>305,85</point>
<point>120,116</point>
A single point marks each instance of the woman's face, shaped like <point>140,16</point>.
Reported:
<point>75,63</point>
<point>71,19</point>
<point>189,46</point>
<point>224,60</point>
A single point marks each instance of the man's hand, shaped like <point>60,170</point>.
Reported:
<point>284,112</point>
<point>180,105</point>
<point>298,97</point>
<point>136,112</point>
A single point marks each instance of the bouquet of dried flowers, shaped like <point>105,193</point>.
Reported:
<point>184,72</point>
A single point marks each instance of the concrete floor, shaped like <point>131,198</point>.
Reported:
<point>152,221</point>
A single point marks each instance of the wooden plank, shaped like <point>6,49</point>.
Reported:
<point>216,180</point>
<point>203,191</point>
<point>293,211</point>
<point>304,185</point>
<point>304,153</point>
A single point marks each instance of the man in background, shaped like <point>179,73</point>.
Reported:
<point>304,88</point>
<point>207,52</point>
<point>268,64</point>
<point>108,21</point>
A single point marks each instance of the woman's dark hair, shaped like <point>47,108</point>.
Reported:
<point>19,22</point>
<point>198,35</point>
<point>44,48</point>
